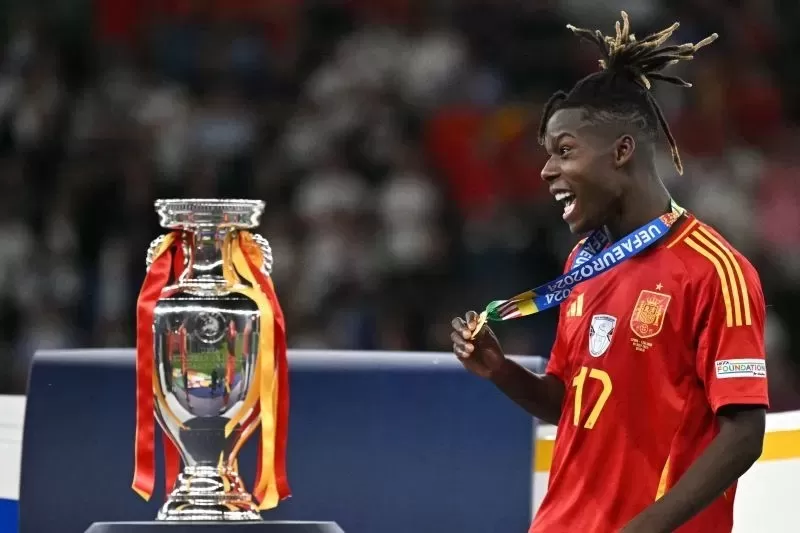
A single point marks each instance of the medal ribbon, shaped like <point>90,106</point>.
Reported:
<point>595,256</point>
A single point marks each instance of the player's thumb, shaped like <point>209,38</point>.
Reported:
<point>472,319</point>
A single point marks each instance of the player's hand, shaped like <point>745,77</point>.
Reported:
<point>483,355</point>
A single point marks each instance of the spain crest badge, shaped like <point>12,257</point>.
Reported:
<point>648,314</point>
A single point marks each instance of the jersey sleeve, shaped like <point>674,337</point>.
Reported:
<point>557,364</point>
<point>730,318</point>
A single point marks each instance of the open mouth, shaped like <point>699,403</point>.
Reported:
<point>567,200</point>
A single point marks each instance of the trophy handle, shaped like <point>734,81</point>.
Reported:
<point>266,250</point>
<point>151,250</point>
<point>262,243</point>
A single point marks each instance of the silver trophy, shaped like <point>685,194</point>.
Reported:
<point>206,340</point>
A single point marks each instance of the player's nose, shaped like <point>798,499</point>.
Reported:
<point>550,171</point>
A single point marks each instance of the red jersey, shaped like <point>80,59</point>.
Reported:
<point>648,352</point>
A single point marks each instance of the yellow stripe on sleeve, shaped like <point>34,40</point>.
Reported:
<point>748,320</point>
<point>721,273</point>
<point>683,233</point>
<point>734,286</point>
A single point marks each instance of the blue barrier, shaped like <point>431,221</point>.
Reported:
<point>379,443</point>
<point>8,516</point>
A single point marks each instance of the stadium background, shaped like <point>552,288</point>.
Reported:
<point>387,138</point>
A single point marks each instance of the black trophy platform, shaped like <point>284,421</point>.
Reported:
<point>214,527</point>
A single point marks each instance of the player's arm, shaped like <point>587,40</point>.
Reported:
<point>540,395</point>
<point>732,452</point>
<point>731,365</point>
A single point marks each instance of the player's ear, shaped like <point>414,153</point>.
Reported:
<point>624,147</point>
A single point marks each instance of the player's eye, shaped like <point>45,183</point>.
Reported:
<point>563,150</point>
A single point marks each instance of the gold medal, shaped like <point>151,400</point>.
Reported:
<point>481,322</point>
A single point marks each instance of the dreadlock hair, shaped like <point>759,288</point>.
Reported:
<point>621,89</point>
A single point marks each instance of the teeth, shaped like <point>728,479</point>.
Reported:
<point>565,198</point>
<point>561,196</point>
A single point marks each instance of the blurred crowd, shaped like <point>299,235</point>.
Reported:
<point>390,140</point>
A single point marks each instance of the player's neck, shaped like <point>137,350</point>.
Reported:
<point>638,207</point>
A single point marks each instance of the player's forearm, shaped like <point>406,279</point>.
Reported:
<point>540,395</point>
<point>734,450</point>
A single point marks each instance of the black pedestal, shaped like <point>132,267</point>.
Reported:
<point>214,527</point>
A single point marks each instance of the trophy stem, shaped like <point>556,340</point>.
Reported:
<point>206,493</point>
<point>206,265</point>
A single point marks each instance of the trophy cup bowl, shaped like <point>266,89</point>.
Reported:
<point>205,344</point>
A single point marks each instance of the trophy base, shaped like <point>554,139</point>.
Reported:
<point>210,527</point>
<point>181,511</point>
<point>209,494</point>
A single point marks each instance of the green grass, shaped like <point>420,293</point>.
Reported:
<point>206,361</point>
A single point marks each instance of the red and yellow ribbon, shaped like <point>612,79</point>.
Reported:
<point>267,401</point>
<point>155,280</point>
<point>264,399</point>
<point>172,457</point>
<point>255,261</point>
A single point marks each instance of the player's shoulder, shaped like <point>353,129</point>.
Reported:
<point>708,256</point>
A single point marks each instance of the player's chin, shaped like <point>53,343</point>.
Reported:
<point>576,218</point>
<point>582,224</point>
<point>579,225</point>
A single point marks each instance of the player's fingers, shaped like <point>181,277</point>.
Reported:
<point>472,320</point>
<point>459,340</point>
<point>462,351</point>
<point>461,327</point>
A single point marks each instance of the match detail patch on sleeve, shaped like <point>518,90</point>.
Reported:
<point>741,368</point>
